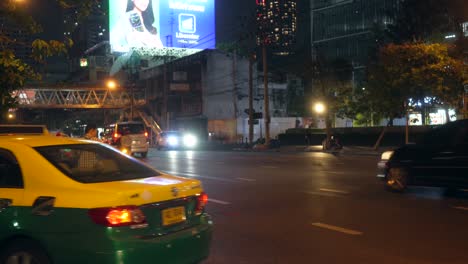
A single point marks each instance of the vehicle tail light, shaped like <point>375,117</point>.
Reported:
<point>117,216</point>
<point>202,200</point>
<point>117,135</point>
<point>146,134</point>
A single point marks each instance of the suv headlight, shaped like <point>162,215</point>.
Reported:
<point>172,141</point>
<point>387,155</point>
<point>190,141</point>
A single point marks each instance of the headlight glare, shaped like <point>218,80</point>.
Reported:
<point>172,141</point>
<point>190,141</point>
<point>387,155</point>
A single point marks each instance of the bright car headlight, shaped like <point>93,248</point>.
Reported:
<point>172,141</point>
<point>387,155</point>
<point>190,141</point>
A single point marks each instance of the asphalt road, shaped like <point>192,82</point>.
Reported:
<point>319,208</point>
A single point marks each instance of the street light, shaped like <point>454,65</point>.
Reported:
<point>319,108</point>
<point>111,84</point>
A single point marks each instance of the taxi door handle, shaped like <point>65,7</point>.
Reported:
<point>4,203</point>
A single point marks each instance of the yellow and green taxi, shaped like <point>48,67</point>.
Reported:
<point>64,200</point>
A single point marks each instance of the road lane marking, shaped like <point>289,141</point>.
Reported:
<point>324,194</point>
<point>247,179</point>
<point>218,201</point>
<point>333,191</point>
<point>193,175</point>
<point>460,208</point>
<point>338,229</point>
<point>270,167</point>
<point>335,172</point>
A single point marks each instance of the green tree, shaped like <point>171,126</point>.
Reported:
<point>412,72</point>
<point>15,71</point>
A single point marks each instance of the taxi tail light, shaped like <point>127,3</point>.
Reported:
<point>117,216</point>
<point>202,200</point>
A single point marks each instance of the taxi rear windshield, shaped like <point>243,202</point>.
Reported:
<point>95,163</point>
<point>125,129</point>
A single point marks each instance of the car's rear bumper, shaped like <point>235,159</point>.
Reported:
<point>137,149</point>
<point>382,169</point>
<point>187,246</point>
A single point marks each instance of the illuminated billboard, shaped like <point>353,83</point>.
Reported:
<point>157,26</point>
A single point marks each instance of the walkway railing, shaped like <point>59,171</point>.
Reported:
<point>77,98</point>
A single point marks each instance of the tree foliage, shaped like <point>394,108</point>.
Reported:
<point>16,71</point>
<point>412,72</point>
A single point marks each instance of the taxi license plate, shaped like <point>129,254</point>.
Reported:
<point>135,142</point>
<point>173,215</point>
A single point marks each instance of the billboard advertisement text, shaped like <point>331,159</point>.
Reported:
<point>161,24</point>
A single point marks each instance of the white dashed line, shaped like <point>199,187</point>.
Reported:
<point>324,194</point>
<point>247,179</point>
<point>335,172</point>
<point>218,201</point>
<point>192,175</point>
<point>270,167</point>
<point>338,229</point>
<point>333,191</point>
<point>460,208</point>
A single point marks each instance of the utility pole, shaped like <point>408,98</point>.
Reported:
<point>164,112</point>
<point>132,97</point>
<point>133,70</point>
<point>234,92</point>
<point>266,96</point>
<point>465,102</point>
<point>251,110</point>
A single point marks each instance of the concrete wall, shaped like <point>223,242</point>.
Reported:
<point>278,125</point>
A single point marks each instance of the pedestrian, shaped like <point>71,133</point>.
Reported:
<point>91,132</point>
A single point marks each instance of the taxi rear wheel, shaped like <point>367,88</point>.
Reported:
<point>23,251</point>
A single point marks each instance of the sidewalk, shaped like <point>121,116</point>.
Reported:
<point>353,150</point>
<point>347,150</point>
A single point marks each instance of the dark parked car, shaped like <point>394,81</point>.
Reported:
<point>440,159</point>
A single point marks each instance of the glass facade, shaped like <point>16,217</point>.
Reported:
<point>344,29</point>
<point>277,24</point>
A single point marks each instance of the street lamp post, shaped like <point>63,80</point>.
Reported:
<point>321,109</point>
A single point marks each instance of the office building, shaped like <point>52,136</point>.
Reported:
<point>343,29</point>
<point>277,24</point>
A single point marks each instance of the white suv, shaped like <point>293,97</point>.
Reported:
<point>130,137</point>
